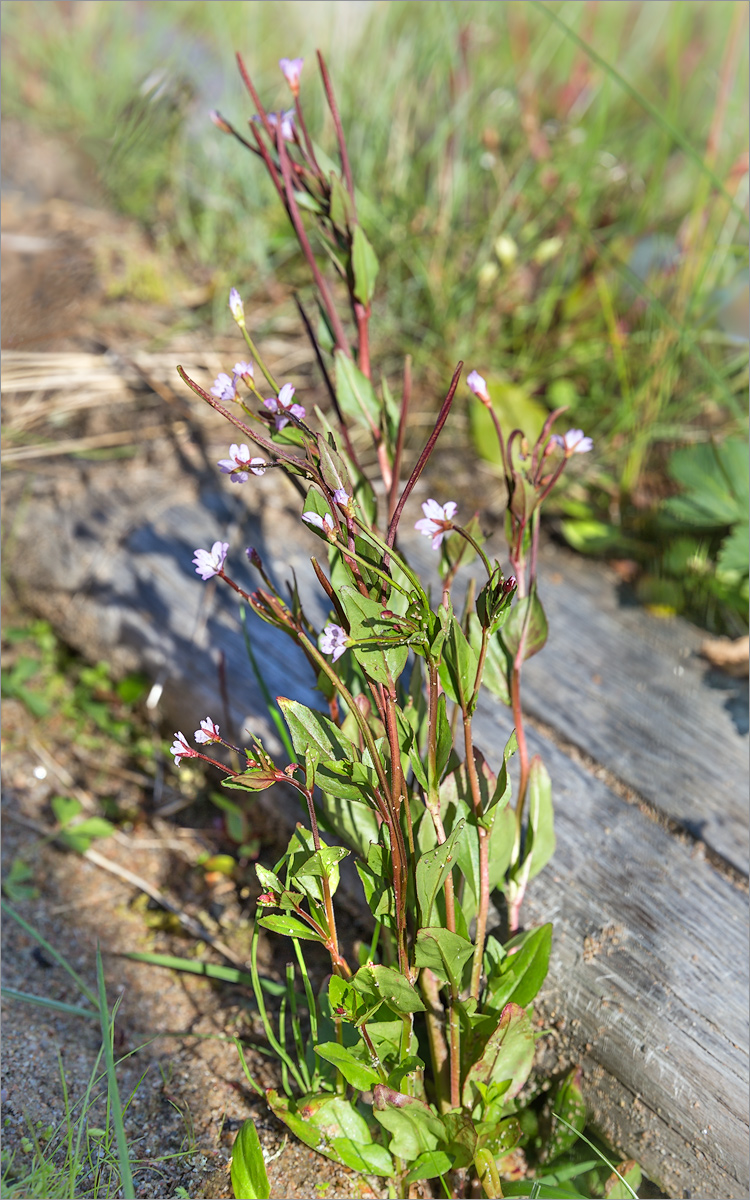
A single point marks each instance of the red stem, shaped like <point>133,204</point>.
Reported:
<point>339,131</point>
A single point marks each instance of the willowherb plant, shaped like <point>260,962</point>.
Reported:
<point>411,1061</point>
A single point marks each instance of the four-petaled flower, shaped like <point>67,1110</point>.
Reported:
<point>573,442</point>
<point>208,732</point>
<point>180,748</point>
<point>283,119</point>
<point>333,641</point>
<point>210,562</point>
<point>478,386</point>
<point>283,404</point>
<point>324,523</point>
<point>236,307</point>
<point>244,370</point>
<point>224,388</point>
<point>291,69</point>
<point>239,463</point>
<point>436,522</point>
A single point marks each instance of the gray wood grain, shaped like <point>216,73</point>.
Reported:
<point>630,690</point>
<point>650,964</point>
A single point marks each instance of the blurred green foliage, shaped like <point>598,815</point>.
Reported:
<point>556,192</point>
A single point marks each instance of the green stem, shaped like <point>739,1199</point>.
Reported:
<point>475,544</point>
<point>486,1166</point>
<point>270,1035</point>
<point>254,351</point>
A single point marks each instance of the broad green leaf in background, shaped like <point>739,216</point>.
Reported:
<point>433,869</point>
<point>508,1055</point>
<point>540,837</point>
<point>248,1171</point>
<point>515,407</point>
<point>364,265</point>
<point>568,1103</point>
<point>415,1129</point>
<point>366,622</point>
<point>355,1072</point>
<point>458,670</point>
<point>429,1166</point>
<point>289,926</point>
<point>522,971</point>
<point>355,393</point>
<point>445,953</point>
<point>390,986</point>
<point>536,631</point>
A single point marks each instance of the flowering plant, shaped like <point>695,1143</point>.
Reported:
<point>413,1058</point>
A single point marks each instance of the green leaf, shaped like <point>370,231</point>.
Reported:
<point>365,266</point>
<point>340,210</point>
<point>79,837</point>
<point>540,836</point>
<point>536,630</point>
<point>256,779</point>
<point>16,883</point>
<point>369,1157</point>
<point>444,952</point>
<point>429,1166</point>
<point>355,1072</point>
<point>355,824</point>
<point>248,1173</point>
<point>458,669</point>
<point>733,553</point>
<point>462,1137</point>
<point>311,730</point>
<point>65,808</point>
<point>444,736</point>
<point>433,869</point>
<point>624,1182</point>
<point>290,927</point>
<point>355,393</point>
<point>508,1055</point>
<point>390,986</point>
<point>367,622</point>
<point>377,880</point>
<point>415,1129</point>
<point>333,468</point>
<point>569,1104</point>
<point>495,673</point>
<point>269,881</point>
<point>523,969</point>
<point>716,481</point>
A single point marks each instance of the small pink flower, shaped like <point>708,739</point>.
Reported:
<point>333,641</point>
<point>180,748</point>
<point>341,497</point>
<point>244,370</point>
<point>573,442</point>
<point>284,119</point>
<point>283,404</point>
<point>210,562</point>
<point>436,522</point>
<point>236,306</point>
<point>239,463</point>
<point>291,69</point>
<point>224,388</point>
<point>324,524</point>
<point>478,386</point>
<point>208,732</point>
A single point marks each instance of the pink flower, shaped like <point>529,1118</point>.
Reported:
<point>236,307</point>
<point>208,732</point>
<point>436,522</point>
<point>341,497</point>
<point>573,442</point>
<point>180,748</point>
<point>291,69</point>
<point>282,404</point>
<point>224,388</point>
<point>210,562</point>
<point>239,463</point>
<point>284,119</point>
<point>244,370</point>
<point>333,641</point>
<point>478,386</point>
<point>324,524</point>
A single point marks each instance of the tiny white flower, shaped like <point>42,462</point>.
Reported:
<point>236,307</point>
<point>239,463</point>
<point>210,562</point>
<point>324,524</point>
<point>208,732</point>
<point>180,748</point>
<point>478,386</point>
<point>573,442</point>
<point>436,518</point>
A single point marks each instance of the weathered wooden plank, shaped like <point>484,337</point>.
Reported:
<point>629,689</point>
<point>656,1014</point>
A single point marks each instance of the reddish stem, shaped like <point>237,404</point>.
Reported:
<point>399,450</point>
<point>339,131</point>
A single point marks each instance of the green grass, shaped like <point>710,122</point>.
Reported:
<point>553,189</point>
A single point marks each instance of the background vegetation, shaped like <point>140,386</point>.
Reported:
<point>557,194</point>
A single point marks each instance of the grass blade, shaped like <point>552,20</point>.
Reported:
<point>72,1010</point>
<point>126,1177</point>
<point>58,957</point>
<point>210,970</point>
<point>598,1153</point>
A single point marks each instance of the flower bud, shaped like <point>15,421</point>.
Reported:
<point>236,307</point>
<point>219,121</point>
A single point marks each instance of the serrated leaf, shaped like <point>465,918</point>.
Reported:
<point>355,393</point>
<point>365,266</point>
<point>355,1072</point>
<point>433,869</point>
<point>248,1171</point>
